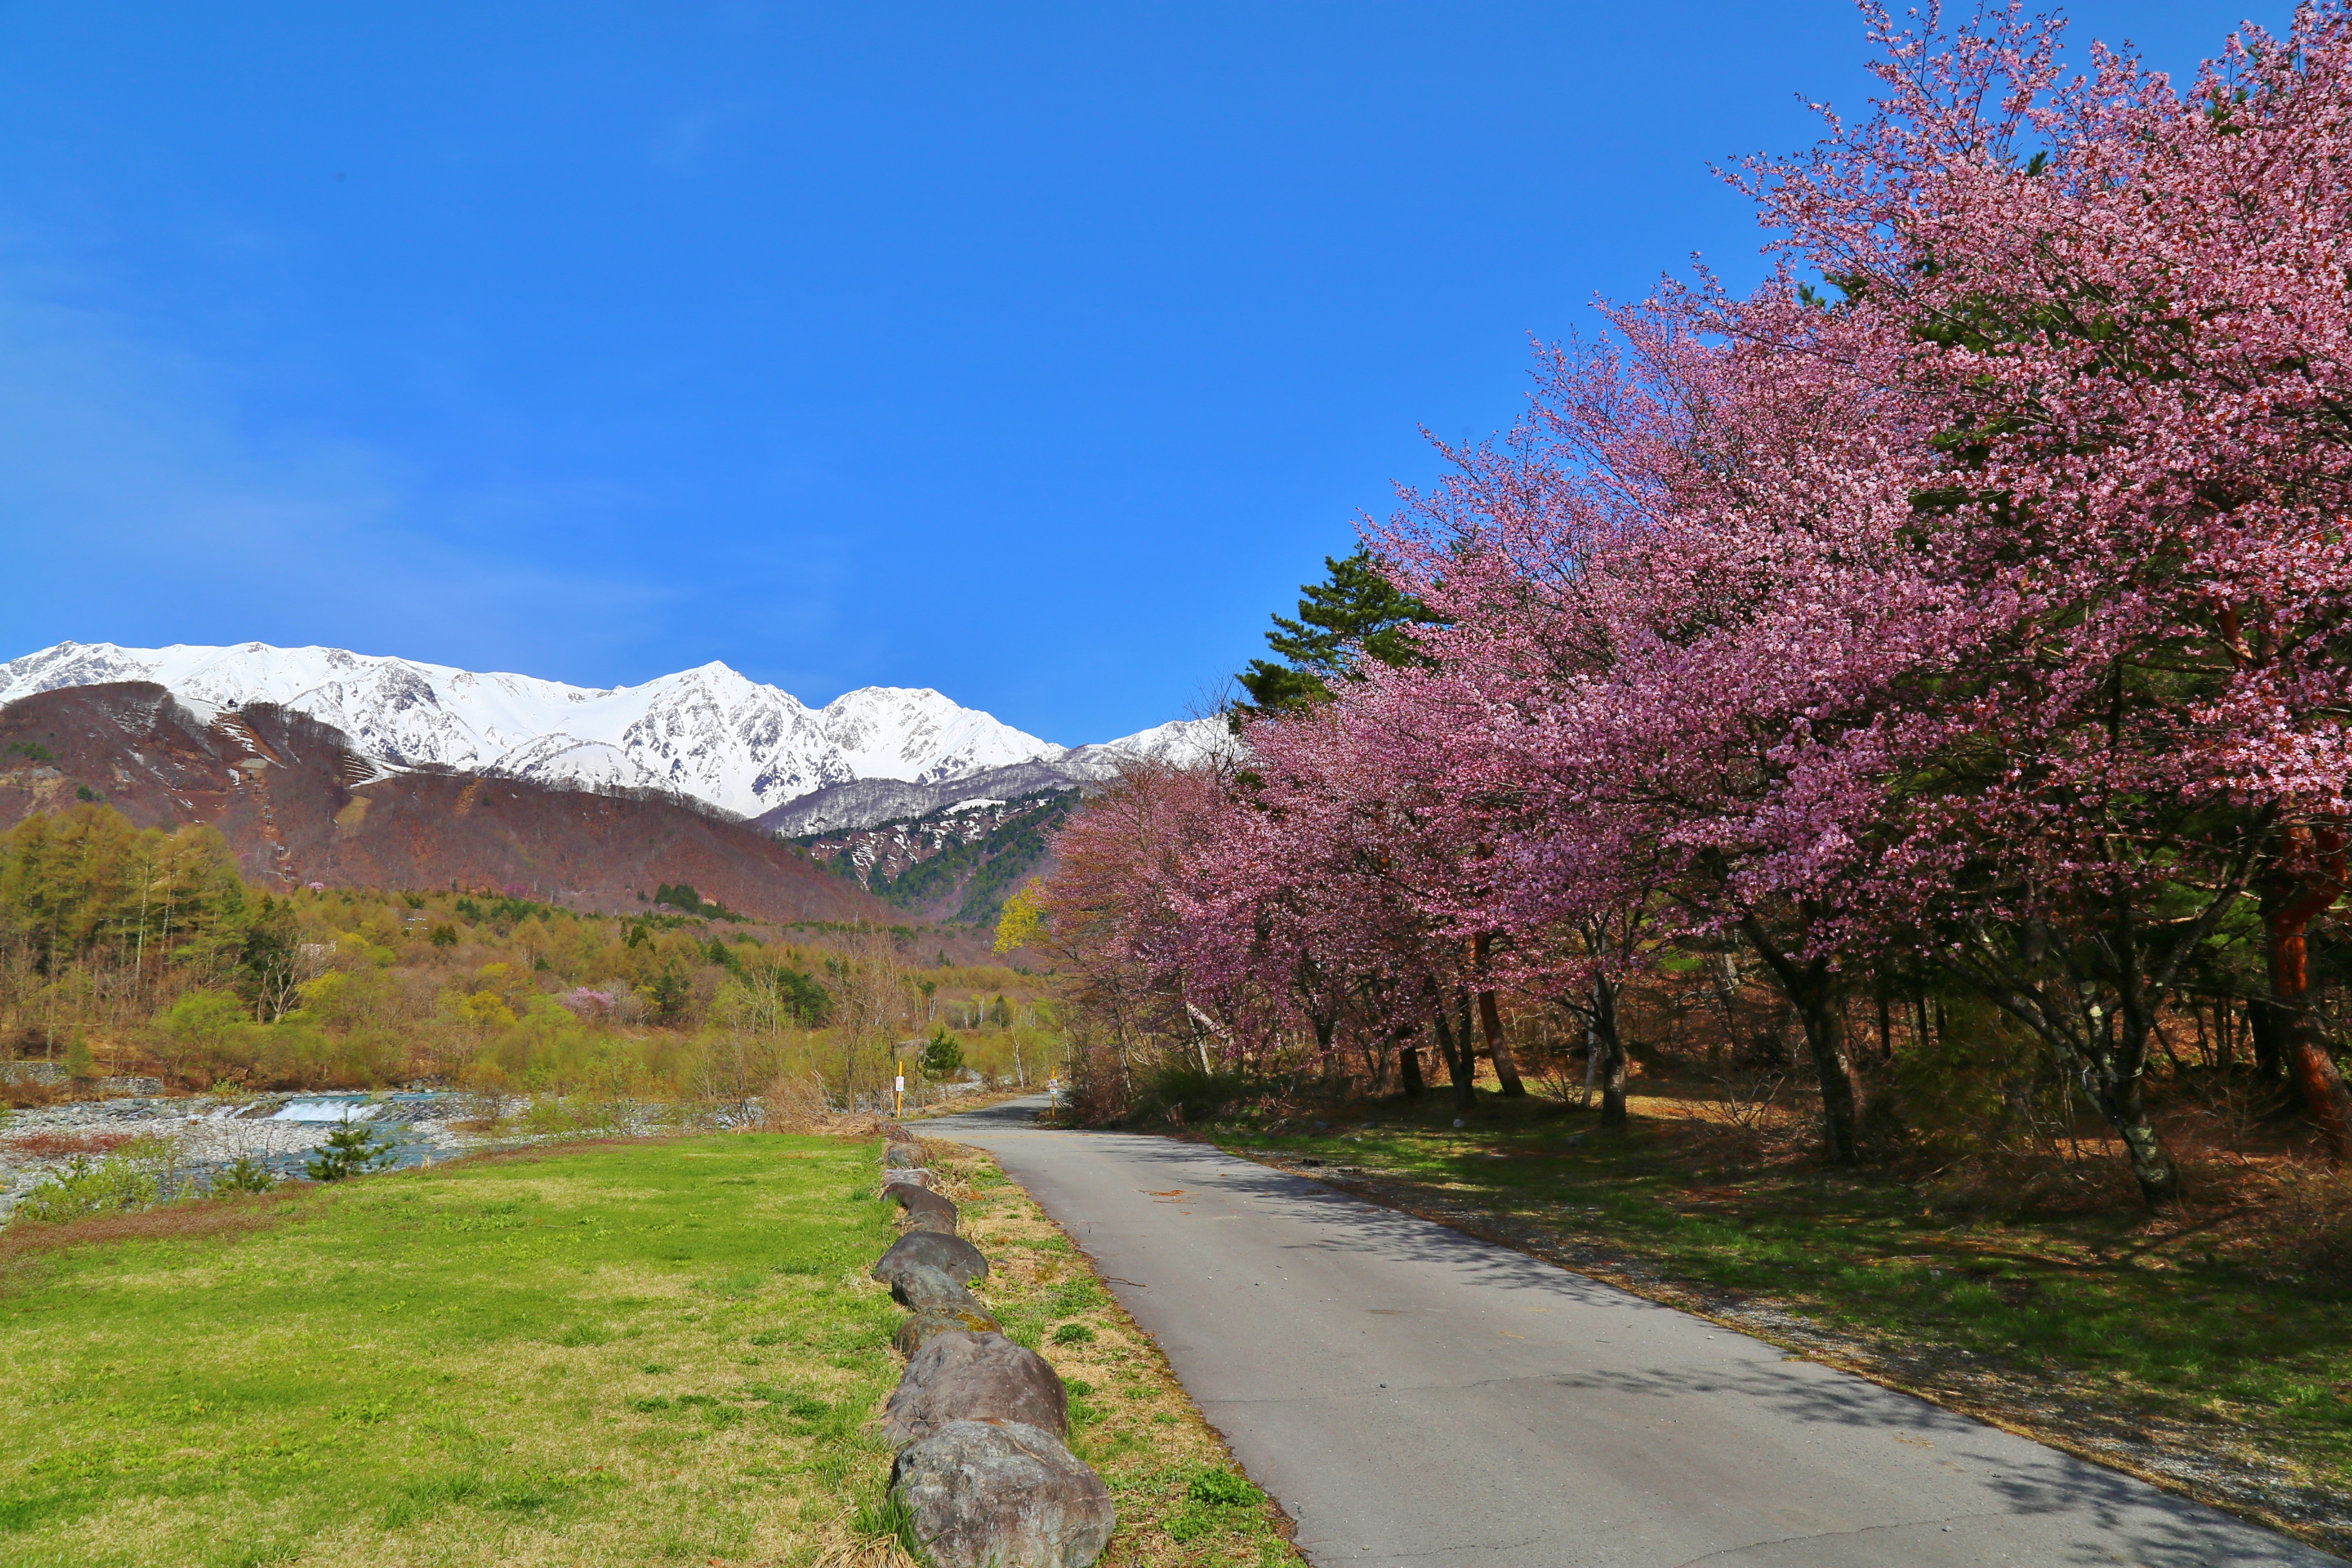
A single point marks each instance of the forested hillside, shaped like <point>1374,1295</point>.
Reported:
<point>131,951</point>
<point>295,805</point>
<point>957,864</point>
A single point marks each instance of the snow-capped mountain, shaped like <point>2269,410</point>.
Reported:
<point>862,803</point>
<point>709,732</point>
<point>1179,743</point>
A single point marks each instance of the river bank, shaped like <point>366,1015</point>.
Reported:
<point>194,1137</point>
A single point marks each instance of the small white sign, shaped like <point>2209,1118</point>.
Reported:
<point>902,1083</point>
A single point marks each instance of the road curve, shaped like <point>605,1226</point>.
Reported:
<point>1417,1397</point>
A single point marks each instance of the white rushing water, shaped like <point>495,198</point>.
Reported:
<point>350,1110</point>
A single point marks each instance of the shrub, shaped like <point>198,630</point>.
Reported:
<point>793,1104</point>
<point>245,1174</point>
<point>206,1035</point>
<point>2314,1211</point>
<point>1178,1092</point>
<point>1074,1334</point>
<point>116,1185</point>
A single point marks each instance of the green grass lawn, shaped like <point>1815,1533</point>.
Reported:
<point>620,1353</point>
<point>615,1354</point>
<point>2197,1338</point>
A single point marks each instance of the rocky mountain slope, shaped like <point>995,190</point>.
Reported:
<point>299,804</point>
<point>864,803</point>
<point>959,863</point>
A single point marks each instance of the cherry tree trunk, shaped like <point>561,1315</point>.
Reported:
<point>1611,1047</point>
<point>1498,1045</point>
<point>1806,984</point>
<point>1460,1062</point>
<point>1825,1041</point>
<point>1490,1023</point>
<point>2290,901</point>
<point>1409,1069</point>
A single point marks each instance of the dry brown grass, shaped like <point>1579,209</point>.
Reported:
<point>190,1219</point>
<point>793,1104</point>
<point>57,1146</point>
<point>23,1094</point>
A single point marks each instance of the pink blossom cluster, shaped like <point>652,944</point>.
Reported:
<point>1983,608</point>
<point>587,1002</point>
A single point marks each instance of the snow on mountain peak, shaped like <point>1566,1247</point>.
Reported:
<point>710,733</point>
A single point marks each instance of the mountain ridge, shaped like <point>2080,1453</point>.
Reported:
<point>709,733</point>
<point>297,806</point>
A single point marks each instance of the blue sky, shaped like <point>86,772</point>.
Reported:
<point>1032,352</point>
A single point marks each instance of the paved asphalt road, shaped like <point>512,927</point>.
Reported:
<point>1415,1396</point>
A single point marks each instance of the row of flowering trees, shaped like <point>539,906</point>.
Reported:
<point>1977,614</point>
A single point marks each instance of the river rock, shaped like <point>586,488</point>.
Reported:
<point>913,1176</point>
<point>926,1323</point>
<point>950,1254</point>
<point>962,1376</point>
<point>919,1285</point>
<point>932,1222</point>
<point>1002,1494</point>
<point>919,1199</point>
<point>904,1155</point>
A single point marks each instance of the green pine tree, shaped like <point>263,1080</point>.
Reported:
<point>1353,614</point>
<point>352,1148</point>
<point>942,1055</point>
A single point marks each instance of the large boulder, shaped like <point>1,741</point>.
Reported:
<point>920,1200</point>
<point>904,1155</point>
<point>962,1376</point>
<point>950,1254</point>
<point>932,1222</point>
<point>1002,1494</point>
<point>912,1175</point>
<point>919,1285</point>
<point>925,1324</point>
